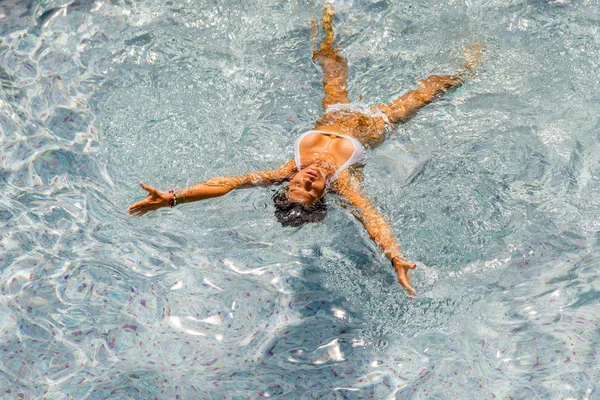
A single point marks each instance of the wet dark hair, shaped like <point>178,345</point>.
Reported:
<point>293,214</point>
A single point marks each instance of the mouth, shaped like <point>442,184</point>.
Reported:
<point>311,173</point>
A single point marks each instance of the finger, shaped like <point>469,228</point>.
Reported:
<point>143,205</point>
<point>138,213</point>
<point>135,211</point>
<point>403,278</point>
<point>135,206</point>
<point>409,265</point>
<point>406,264</point>
<point>147,188</point>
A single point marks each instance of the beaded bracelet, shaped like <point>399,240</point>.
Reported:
<point>173,201</point>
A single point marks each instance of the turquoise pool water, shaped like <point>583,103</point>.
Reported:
<point>493,189</point>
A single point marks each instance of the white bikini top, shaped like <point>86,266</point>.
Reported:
<point>357,154</point>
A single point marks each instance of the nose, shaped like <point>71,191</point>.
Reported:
<point>307,183</point>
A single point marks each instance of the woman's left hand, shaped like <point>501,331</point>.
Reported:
<point>154,201</point>
<point>402,267</point>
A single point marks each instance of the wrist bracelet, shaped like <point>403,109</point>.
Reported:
<point>173,201</point>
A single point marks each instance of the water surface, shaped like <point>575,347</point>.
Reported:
<point>493,189</point>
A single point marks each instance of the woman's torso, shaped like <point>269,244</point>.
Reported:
<point>339,137</point>
<point>317,143</point>
<point>331,148</point>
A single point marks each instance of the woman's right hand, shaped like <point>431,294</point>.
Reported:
<point>154,201</point>
<point>402,267</point>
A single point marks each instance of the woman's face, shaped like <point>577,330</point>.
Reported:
<point>307,187</point>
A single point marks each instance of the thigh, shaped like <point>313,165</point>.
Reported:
<point>335,78</point>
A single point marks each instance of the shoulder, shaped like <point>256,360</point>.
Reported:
<point>343,184</point>
<point>350,180</point>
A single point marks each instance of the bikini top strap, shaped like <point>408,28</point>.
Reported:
<point>297,149</point>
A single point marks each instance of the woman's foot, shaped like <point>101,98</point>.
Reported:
<point>328,14</point>
<point>473,57</point>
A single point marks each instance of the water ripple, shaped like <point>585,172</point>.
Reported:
<point>491,189</point>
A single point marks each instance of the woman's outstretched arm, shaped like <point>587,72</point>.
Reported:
<point>214,187</point>
<point>376,226</point>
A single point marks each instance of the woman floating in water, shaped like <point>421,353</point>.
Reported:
<point>322,156</point>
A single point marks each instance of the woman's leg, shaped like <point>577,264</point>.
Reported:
<point>371,129</point>
<point>404,107</point>
<point>335,67</point>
